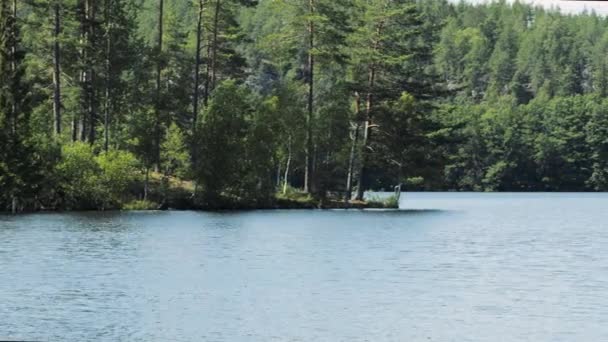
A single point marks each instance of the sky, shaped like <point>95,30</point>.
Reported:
<point>600,7</point>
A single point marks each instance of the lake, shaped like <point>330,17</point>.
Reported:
<point>455,267</point>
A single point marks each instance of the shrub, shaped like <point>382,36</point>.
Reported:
<point>391,202</point>
<point>140,205</point>
<point>119,170</point>
<point>78,174</point>
<point>87,181</point>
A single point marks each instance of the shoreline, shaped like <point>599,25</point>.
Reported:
<point>277,204</point>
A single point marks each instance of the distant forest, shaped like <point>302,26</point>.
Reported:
<point>108,102</point>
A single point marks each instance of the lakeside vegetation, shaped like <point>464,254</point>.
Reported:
<point>215,104</point>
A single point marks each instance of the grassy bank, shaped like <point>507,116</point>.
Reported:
<point>171,193</point>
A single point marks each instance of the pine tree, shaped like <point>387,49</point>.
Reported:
<point>14,110</point>
<point>123,51</point>
<point>503,61</point>
<point>381,43</point>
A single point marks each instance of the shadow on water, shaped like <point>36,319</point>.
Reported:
<point>299,214</point>
<point>113,214</point>
<point>390,211</point>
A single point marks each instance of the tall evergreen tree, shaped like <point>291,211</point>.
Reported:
<point>15,163</point>
<point>381,43</point>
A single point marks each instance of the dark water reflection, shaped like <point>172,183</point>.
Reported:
<point>457,267</point>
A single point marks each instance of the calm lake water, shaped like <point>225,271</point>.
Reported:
<point>477,267</point>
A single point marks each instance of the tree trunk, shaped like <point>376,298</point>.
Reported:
<point>216,20</point>
<point>308,173</point>
<point>353,149</point>
<point>287,168</point>
<point>278,185</point>
<point>91,100</point>
<point>159,68</point>
<point>108,65</point>
<point>368,117</point>
<point>74,128</point>
<point>84,55</point>
<point>146,183</point>
<point>77,117</point>
<point>82,127</point>
<point>366,134</point>
<point>197,81</point>
<point>13,114</point>
<point>207,92</point>
<point>197,65</point>
<point>14,204</point>
<point>57,67</point>
<point>351,164</point>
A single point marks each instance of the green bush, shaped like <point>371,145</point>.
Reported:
<point>78,174</point>
<point>140,205</point>
<point>119,171</point>
<point>234,154</point>
<point>87,181</point>
<point>391,202</point>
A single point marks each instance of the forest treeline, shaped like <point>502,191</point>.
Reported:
<point>106,102</point>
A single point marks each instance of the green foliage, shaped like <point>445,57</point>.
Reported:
<point>140,205</point>
<point>223,128</point>
<point>429,94</point>
<point>232,125</point>
<point>174,156</point>
<point>118,174</point>
<point>597,138</point>
<point>78,173</point>
<point>95,182</point>
<point>391,202</point>
<point>294,194</point>
<point>549,144</point>
<point>141,130</point>
<point>17,163</point>
<point>414,183</point>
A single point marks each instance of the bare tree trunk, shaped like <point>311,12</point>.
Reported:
<point>13,114</point>
<point>146,183</point>
<point>197,81</point>
<point>368,118</point>
<point>287,168</point>
<point>207,92</point>
<point>14,10</point>
<point>82,127</point>
<point>14,204</point>
<point>351,164</point>
<point>81,121</point>
<point>278,185</point>
<point>308,173</point>
<point>366,134</point>
<point>57,67</point>
<point>75,128</point>
<point>77,117</point>
<point>197,65</point>
<point>216,23</point>
<point>159,68</point>
<point>14,45</point>
<point>353,150</point>
<point>91,100</point>
<point>108,100</point>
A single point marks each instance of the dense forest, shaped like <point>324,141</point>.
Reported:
<point>199,103</point>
